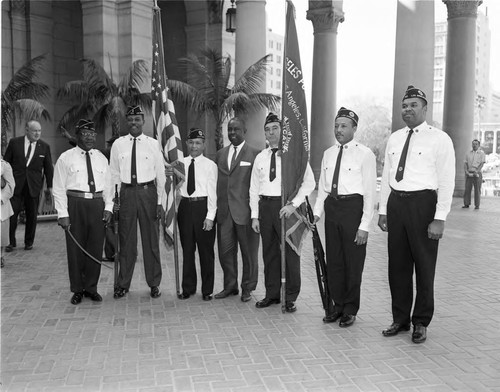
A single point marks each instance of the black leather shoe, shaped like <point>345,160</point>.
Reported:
<point>226,293</point>
<point>93,296</point>
<point>347,320</point>
<point>332,317</point>
<point>465,206</point>
<point>264,303</point>
<point>120,292</point>
<point>28,247</point>
<point>9,248</point>
<point>290,307</point>
<point>76,298</point>
<point>207,297</point>
<point>419,334</point>
<point>395,328</point>
<point>184,295</point>
<point>245,296</point>
<point>155,292</point>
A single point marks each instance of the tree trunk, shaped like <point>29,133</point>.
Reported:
<point>219,138</point>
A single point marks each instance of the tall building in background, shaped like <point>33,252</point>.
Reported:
<point>274,78</point>
<point>483,49</point>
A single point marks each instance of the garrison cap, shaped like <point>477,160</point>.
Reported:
<point>271,117</point>
<point>413,92</point>
<point>343,112</point>
<point>84,124</point>
<point>196,133</point>
<point>134,111</point>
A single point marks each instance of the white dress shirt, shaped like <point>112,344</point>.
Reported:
<point>231,152</point>
<point>261,186</point>
<point>27,143</point>
<point>430,164</point>
<point>358,174</point>
<point>149,162</point>
<point>205,176</point>
<point>70,173</point>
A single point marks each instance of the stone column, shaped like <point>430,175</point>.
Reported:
<point>459,92</point>
<point>414,62</point>
<point>325,17</point>
<point>251,46</point>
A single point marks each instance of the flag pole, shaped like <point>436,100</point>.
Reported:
<point>283,201</point>
<point>176,240</point>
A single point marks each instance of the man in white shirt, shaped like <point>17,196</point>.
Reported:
<point>196,217</point>
<point>84,200</point>
<point>138,168</point>
<point>266,212</point>
<point>346,193</point>
<point>474,161</point>
<point>415,198</point>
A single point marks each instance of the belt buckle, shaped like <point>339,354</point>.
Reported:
<point>88,195</point>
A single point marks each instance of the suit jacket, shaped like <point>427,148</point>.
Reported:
<point>40,166</point>
<point>233,185</point>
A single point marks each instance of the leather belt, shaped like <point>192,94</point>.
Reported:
<point>139,184</point>
<point>191,199</point>
<point>273,198</point>
<point>411,193</point>
<point>84,195</point>
<point>345,197</point>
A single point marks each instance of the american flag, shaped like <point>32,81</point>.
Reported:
<point>165,129</point>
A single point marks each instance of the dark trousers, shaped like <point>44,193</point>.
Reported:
<point>139,204</point>
<point>270,231</point>
<point>229,235</point>
<point>31,209</point>
<point>87,227</point>
<point>475,182</point>
<point>190,217</point>
<point>409,248</point>
<point>345,259</point>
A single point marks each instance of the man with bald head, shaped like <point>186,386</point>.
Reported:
<point>30,159</point>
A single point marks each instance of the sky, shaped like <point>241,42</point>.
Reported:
<point>366,44</point>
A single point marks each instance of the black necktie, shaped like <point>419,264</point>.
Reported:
<point>191,184</point>
<point>233,159</point>
<point>133,168</point>
<point>335,182</point>
<point>402,160</point>
<point>90,173</point>
<point>28,153</point>
<point>272,169</point>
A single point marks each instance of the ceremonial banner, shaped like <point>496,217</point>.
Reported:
<point>294,139</point>
<point>165,129</point>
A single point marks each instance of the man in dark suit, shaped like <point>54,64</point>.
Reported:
<point>234,227</point>
<point>30,159</point>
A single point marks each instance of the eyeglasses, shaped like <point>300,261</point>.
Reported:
<point>88,133</point>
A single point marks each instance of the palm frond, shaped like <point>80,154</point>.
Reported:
<point>244,103</point>
<point>76,89</point>
<point>188,96</point>
<point>75,113</point>
<point>137,74</point>
<point>253,78</point>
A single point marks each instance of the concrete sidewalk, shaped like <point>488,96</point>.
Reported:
<point>141,344</point>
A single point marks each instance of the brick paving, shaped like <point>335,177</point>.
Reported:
<point>141,344</point>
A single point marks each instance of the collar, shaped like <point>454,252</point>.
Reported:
<point>195,159</point>
<point>80,150</point>
<point>351,144</point>
<point>27,141</point>
<point>239,146</point>
<point>131,138</point>
<point>418,128</point>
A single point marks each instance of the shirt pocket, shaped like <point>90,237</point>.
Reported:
<point>78,170</point>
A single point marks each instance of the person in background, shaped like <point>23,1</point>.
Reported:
<point>415,198</point>
<point>474,161</point>
<point>8,186</point>
<point>30,159</point>
<point>346,193</point>
<point>234,226</point>
<point>84,201</point>
<point>196,217</point>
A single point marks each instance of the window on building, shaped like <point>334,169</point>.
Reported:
<point>278,59</point>
<point>271,83</point>
<point>278,72</point>
<point>278,84</point>
<point>278,45</point>
<point>271,70</point>
<point>271,43</point>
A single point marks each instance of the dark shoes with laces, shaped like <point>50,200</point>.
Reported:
<point>77,297</point>
<point>419,334</point>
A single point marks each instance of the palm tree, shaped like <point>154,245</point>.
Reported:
<point>207,88</point>
<point>20,99</point>
<point>99,97</point>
